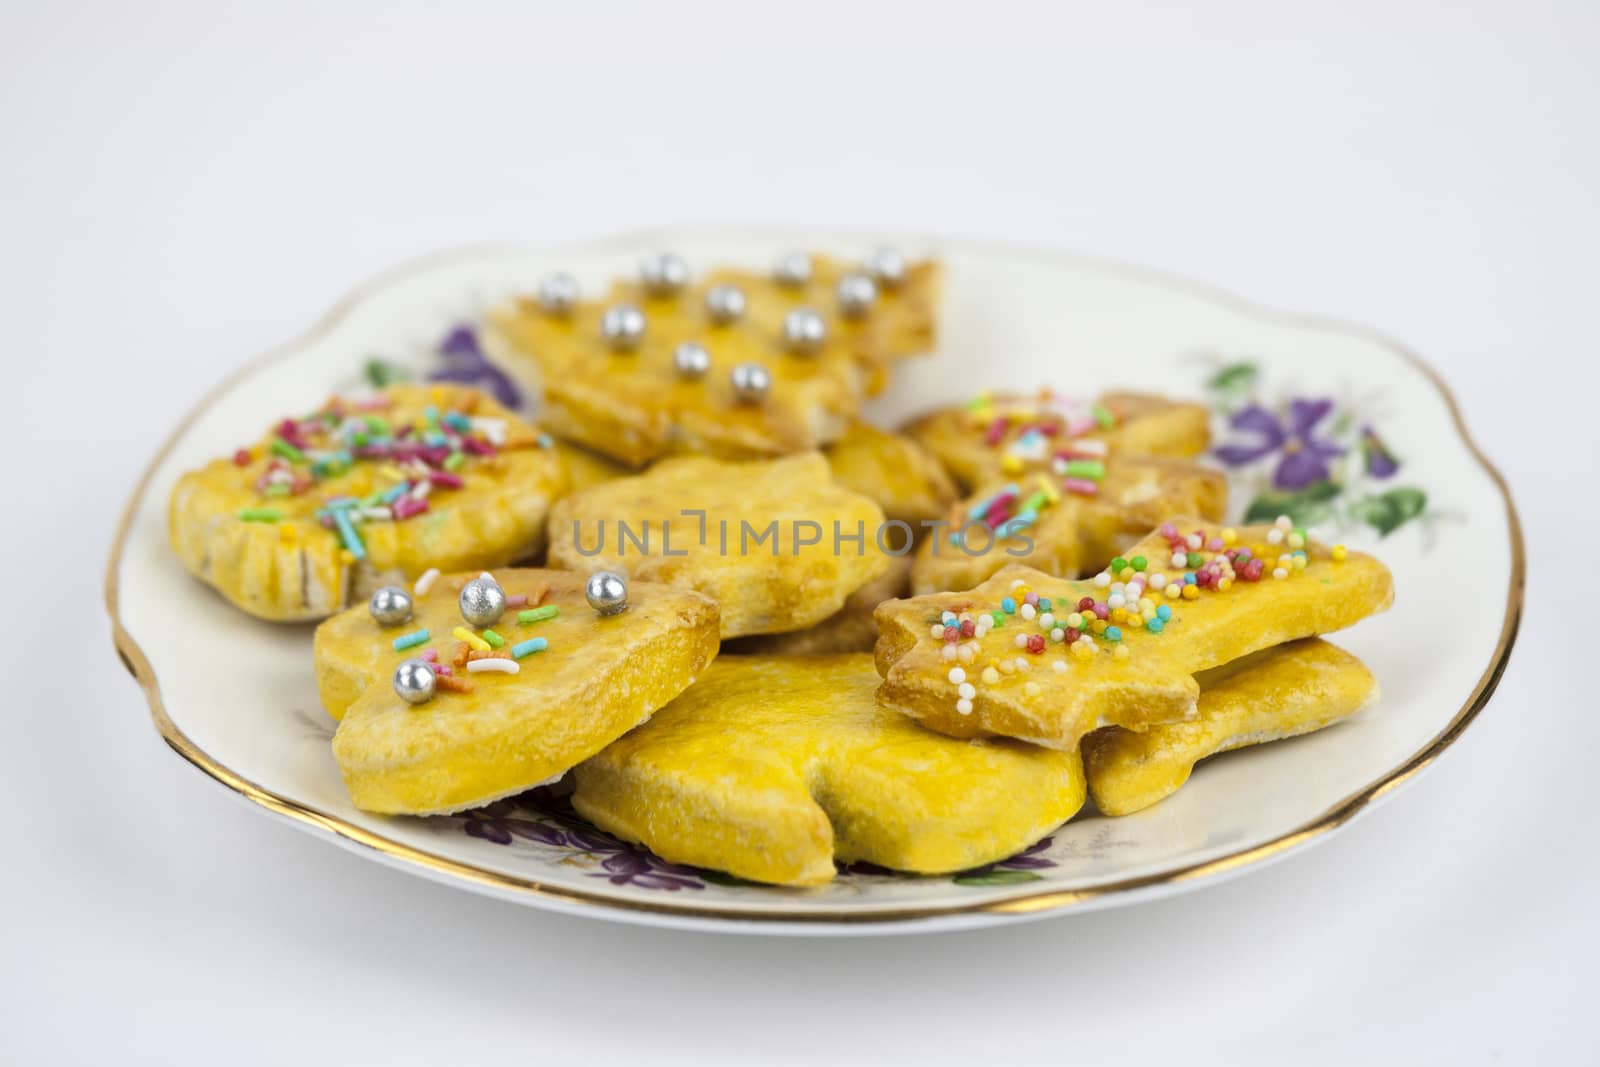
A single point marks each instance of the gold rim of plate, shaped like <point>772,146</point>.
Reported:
<point>133,657</point>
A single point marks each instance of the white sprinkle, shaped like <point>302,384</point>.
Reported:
<point>1284,523</point>
<point>1022,665</point>
<point>1180,560</point>
<point>1028,611</point>
<point>374,514</point>
<point>967,691</point>
<point>495,664</point>
<point>1047,621</point>
<point>990,676</point>
<point>1102,580</point>
<point>964,707</point>
<point>425,582</point>
<point>1274,536</point>
<point>957,675</point>
<point>1059,666</point>
<point>948,652</point>
<point>937,630</point>
<point>1021,641</point>
<point>1280,573</point>
<point>420,490</point>
<point>1058,635</point>
<point>1174,590</point>
<point>1158,582</point>
<point>1115,601</point>
<point>1031,689</point>
<point>493,429</point>
<point>486,576</point>
<point>966,653</point>
<point>1018,583</point>
<point>1194,541</point>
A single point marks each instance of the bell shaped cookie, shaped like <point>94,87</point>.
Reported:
<point>562,682</point>
<point>1048,660</point>
<point>735,365</point>
<point>1062,524</point>
<point>1282,692</point>
<point>330,505</point>
<point>775,543</point>
<point>1003,436</point>
<point>776,769</point>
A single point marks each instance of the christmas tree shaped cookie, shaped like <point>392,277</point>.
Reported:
<point>1069,521</point>
<point>775,543</point>
<point>735,365</point>
<point>330,505</point>
<point>467,688</point>
<point>1282,692</point>
<point>1003,436</point>
<point>776,769</point>
<point>1048,660</point>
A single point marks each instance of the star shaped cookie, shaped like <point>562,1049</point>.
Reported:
<point>566,682</point>
<point>1282,692</point>
<point>1048,660</point>
<point>1002,436</point>
<point>775,543</point>
<point>332,504</point>
<point>774,769</point>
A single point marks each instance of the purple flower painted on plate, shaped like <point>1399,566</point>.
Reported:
<point>464,362</point>
<point>1303,456</point>
<point>1381,463</point>
<point>630,867</point>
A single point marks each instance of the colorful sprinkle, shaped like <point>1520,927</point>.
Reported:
<point>494,639</point>
<point>410,640</point>
<point>531,645</point>
<point>425,582</point>
<point>471,640</point>
<point>260,515</point>
<point>533,615</point>
<point>494,664</point>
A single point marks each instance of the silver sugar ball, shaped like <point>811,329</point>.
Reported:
<point>558,293</point>
<point>390,605</point>
<point>414,681</point>
<point>691,361</point>
<point>482,602</point>
<point>607,592</point>
<point>887,266</point>
<point>793,269</point>
<point>804,331</point>
<point>751,382</point>
<point>725,303</point>
<point>663,274</point>
<point>857,293</point>
<point>622,326</point>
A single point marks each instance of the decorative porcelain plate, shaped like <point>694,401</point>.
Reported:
<point>1335,426</point>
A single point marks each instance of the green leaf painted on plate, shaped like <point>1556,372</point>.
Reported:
<point>1388,511</point>
<point>380,372</point>
<point>1306,507</point>
<point>1234,377</point>
<point>996,877</point>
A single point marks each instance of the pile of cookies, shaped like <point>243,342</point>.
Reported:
<point>750,630</point>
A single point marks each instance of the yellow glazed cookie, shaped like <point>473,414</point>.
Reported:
<point>757,537</point>
<point>331,505</point>
<point>1283,692</point>
<point>585,468</point>
<point>901,475</point>
<point>1062,525</point>
<point>736,365</point>
<point>581,681</point>
<point>1000,436</point>
<point>775,769</point>
<point>1047,660</point>
<point>850,629</point>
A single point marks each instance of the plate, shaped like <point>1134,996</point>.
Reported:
<point>236,697</point>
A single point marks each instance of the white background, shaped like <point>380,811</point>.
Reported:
<point>183,186</point>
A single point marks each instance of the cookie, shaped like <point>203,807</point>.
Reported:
<point>775,769</point>
<point>585,468</point>
<point>582,680</point>
<point>718,367</point>
<point>850,629</point>
<point>331,505</point>
<point>757,537</point>
<point>902,476</point>
<point>1048,660</point>
<point>1282,692</point>
<point>1064,526</point>
<point>998,437</point>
